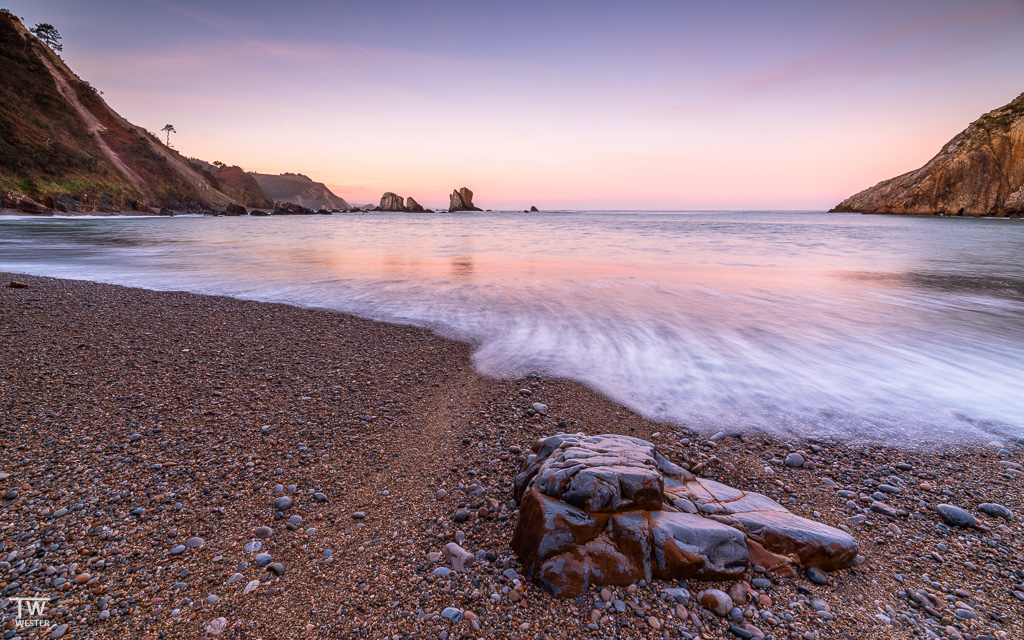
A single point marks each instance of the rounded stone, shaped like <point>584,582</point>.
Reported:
<point>263,533</point>
<point>716,601</point>
<point>955,516</point>
<point>283,503</point>
<point>194,542</point>
<point>816,575</point>
<point>795,460</point>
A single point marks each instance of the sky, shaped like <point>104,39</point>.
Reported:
<point>560,104</point>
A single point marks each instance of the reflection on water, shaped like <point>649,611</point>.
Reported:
<point>907,330</point>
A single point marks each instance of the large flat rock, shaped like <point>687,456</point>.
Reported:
<point>610,510</point>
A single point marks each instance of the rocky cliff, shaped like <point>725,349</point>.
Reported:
<point>980,172</point>
<point>300,189</point>
<point>63,148</point>
<point>462,200</point>
<point>394,202</point>
<point>244,187</point>
<point>391,202</point>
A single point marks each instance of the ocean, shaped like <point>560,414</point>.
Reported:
<point>888,329</point>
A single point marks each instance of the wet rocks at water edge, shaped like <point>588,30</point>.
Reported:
<point>610,510</point>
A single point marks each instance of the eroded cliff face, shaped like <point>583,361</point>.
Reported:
<point>300,189</point>
<point>62,148</point>
<point>980,172</point>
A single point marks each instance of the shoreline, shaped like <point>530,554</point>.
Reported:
<point>357,408</point>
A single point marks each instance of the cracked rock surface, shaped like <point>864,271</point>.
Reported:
<point>608,510</point>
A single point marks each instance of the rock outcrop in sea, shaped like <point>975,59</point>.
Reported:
<point>291,209</point>
<point>609,510</point>
<point>391,202</point>
<point>462,200</point>
<point>394,202</point>
<point>980,172</point>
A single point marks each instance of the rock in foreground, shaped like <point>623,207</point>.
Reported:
<point>610,510</point>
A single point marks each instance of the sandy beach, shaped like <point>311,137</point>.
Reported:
<point>149,436</point>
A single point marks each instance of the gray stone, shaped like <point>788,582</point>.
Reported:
<point>816,575</point>
<point>283,503</point>
<point>276,568</point>
<point>458,557</point>
<point>451,613</point>
<point>955,516</point>
<point>795,460</point>
<point>178,550</point>
<point>996,510</point>
<point>262,559</point>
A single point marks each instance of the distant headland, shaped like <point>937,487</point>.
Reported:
<point>980,172</point>
<point>64,150</point>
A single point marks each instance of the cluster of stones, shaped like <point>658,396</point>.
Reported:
<point>609,510</point>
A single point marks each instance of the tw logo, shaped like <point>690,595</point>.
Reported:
<point>32,608</point>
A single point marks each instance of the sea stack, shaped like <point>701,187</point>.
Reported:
<point>462,200</point>
<point>391,202</point>
<point>394,202</point>
<point>980,172</point>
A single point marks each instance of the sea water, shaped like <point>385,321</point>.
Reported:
<point>904,330</point>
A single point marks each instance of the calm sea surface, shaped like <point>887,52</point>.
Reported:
<point>877,328</point>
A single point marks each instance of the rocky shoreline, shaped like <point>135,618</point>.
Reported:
<point>184,466</point>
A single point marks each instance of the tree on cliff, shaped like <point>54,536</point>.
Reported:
<point>169,128</point>
<point>48,34</point>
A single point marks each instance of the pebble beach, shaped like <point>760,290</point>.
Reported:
<point>186,466</point>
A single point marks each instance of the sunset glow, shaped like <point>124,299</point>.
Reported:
<point>564,105</point>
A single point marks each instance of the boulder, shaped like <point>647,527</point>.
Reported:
<point>235,210</point>
<point>532,209</point>
<point>610,510</point>
<point>20,202</point>
<point>462,200</point>
<point>391,202</point>
<point>291,209</point>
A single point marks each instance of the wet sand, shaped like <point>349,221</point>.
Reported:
<point>135,422</point>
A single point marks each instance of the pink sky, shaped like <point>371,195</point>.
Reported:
<point>559,105</point>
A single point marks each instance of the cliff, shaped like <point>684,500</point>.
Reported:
<point>297,188</point>
<point>243,187</point>
<point>980,172</point>
<point>63,148</point>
